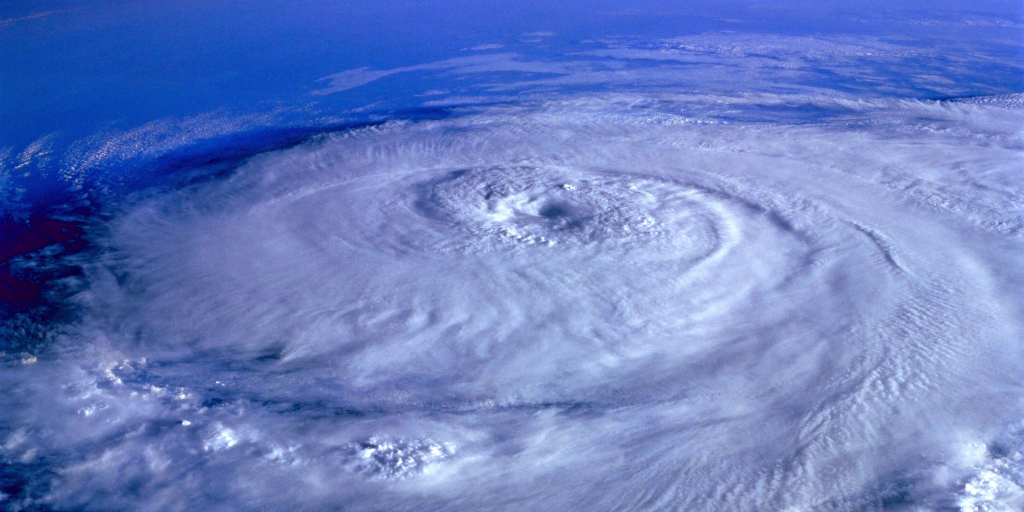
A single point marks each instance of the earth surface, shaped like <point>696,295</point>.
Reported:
<point>410,256</point>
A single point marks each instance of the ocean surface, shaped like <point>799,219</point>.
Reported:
<point>316,256</point>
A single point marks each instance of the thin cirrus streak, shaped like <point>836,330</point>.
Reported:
<point>597,303</point>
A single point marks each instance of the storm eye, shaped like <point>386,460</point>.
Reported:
<point>559,216</point>
<point>554,211</point>
<point>493,209</point>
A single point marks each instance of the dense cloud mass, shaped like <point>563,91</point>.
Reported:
<point>599,302</point>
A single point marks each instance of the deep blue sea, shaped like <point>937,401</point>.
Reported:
<point>419,256</point>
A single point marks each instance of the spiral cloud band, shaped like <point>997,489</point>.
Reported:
<point>614,302</point>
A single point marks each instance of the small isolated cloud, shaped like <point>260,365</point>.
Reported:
<point>535,37</point>
<point>495,62</point>
<point>39,15</point>
<point>483,47</point>
<point>352,78</point>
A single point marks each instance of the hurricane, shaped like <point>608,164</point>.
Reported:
<point>738,295</point>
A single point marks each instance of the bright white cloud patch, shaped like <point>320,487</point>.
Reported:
<point>617,302</point>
